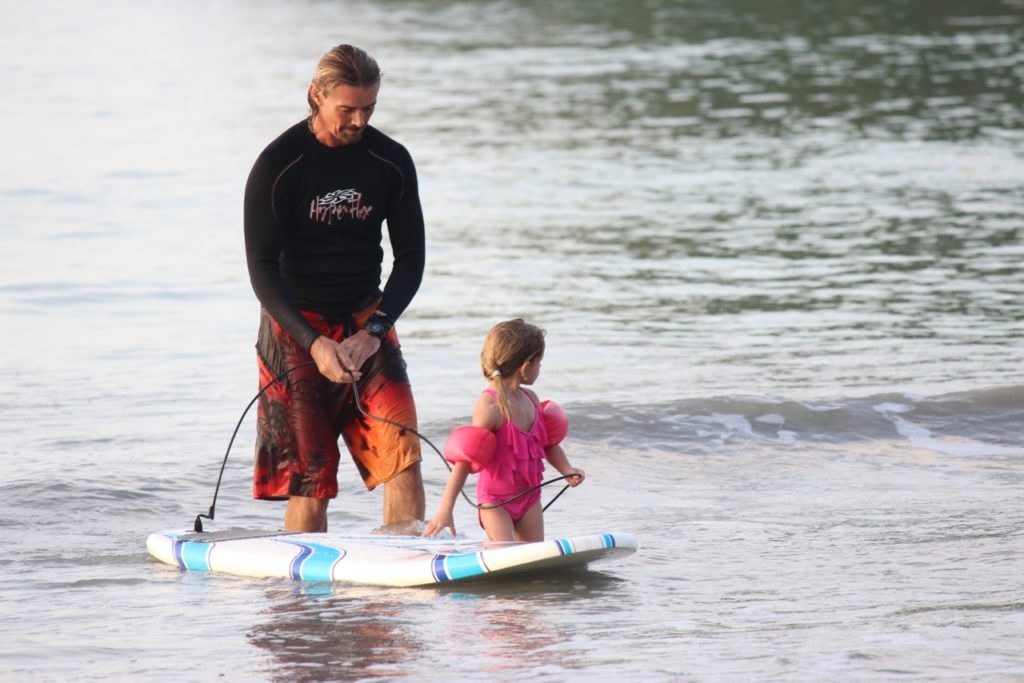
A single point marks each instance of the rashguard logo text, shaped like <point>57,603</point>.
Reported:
<point>337,205</point>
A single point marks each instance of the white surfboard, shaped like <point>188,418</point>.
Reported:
<point>377,560</point>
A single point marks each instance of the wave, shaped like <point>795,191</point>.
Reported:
<point>977,423</point>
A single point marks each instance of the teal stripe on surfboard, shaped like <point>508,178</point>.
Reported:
<point>315,562</point>
<point>194,556</point>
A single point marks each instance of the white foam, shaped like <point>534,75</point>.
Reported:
<point>955,446</point>
<point>893,408</point>
<point>738,424</point>
<point>786,436</point>
<point>732,422</point>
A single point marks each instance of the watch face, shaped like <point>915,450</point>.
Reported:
<point>376,327</point>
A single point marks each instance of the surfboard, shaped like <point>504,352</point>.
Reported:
<point>377,560</point>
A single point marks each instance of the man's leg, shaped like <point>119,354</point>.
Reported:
<point>296,445</point>
<point>403,497</point>
<point>306,514</point>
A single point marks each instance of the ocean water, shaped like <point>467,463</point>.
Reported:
<point>776,247</point>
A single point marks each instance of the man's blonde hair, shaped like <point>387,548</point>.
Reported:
<point>342,65</point>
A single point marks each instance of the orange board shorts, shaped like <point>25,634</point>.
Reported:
<point>300,417</point>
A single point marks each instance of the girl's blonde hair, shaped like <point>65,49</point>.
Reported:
<point>508,345</point>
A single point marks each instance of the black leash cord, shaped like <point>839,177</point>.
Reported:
<point>198,525</point>
<point>481,506</point>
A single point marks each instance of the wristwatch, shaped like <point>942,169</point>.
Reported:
<point>378,325</point>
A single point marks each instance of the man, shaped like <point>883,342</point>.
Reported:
<point>315,202</point>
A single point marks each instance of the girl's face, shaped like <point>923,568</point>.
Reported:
<point>531,370</point>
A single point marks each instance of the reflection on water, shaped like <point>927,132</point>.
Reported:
<point>316,635</point>
<point>674,70</point>
<point>336,632</point>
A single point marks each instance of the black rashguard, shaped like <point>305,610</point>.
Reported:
<point>313,217</point>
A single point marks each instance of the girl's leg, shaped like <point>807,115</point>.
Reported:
<point>497,524</point>
<point>530,527</point>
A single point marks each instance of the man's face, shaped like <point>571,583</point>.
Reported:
<point>344,112</point>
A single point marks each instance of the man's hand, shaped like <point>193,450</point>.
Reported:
<point>341,362</point>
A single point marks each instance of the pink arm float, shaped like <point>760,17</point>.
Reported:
<point>474,445</point>
<point>555,421</point>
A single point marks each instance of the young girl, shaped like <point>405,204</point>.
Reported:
<point>512,434</point>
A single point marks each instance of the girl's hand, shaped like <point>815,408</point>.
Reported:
<point>575,476</point>
<point>441,521</point>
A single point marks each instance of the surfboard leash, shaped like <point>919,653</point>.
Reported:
<point>198,524</point>
<point>478,506</point>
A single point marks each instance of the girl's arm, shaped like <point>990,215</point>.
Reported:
<point>560,461</point>
<point>486,414</point>
<point>445,517</point>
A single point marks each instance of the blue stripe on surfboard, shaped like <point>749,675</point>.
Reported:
<point>461,566</point>
<point>176,551</point>
<point>437,568</point>
<point>609,540</point>
<point>194,556</point>
<point>295,570</point>
<point>564,546</point>
<point>314,562</point>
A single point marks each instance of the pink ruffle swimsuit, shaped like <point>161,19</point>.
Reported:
<point>518,464</point>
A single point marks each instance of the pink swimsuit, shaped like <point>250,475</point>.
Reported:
<point>518,464</point>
